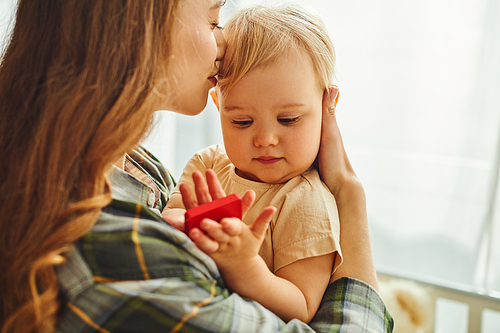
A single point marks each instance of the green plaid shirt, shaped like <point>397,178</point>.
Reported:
<point>133,272</point>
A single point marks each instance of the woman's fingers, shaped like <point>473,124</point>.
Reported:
<point>329,125</point>
<point>334,165</point>
<point>330,101</point>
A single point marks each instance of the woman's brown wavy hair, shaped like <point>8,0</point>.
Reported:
<point>77,86</point>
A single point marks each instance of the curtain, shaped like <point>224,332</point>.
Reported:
<point>7,8</point>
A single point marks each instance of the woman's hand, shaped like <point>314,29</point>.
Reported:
<point>338,174</point>
<point>334,166</point>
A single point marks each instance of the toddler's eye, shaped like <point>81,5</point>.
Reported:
<point>288,121</point>
<point>241,123</point>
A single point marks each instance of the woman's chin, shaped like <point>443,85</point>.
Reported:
<point>193,109</point>
<point>186,103</point>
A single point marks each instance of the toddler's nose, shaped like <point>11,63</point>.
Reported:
<point>265,138</point>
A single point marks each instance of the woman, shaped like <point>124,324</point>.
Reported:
<point>81,244</point>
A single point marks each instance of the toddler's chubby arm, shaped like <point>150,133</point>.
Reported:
<point>294,292</point>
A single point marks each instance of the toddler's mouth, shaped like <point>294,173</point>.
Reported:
<point>268,159</point>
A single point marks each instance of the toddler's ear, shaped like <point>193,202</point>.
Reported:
<point>215,98</point>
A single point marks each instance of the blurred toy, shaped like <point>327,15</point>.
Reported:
<point>409,304</point>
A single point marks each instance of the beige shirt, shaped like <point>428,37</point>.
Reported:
<point>306,223</point>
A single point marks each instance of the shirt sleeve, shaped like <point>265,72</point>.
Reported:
<point>307,224</point>
<point>350,305</point>
<point>200,161</point>
<point>171,305</point>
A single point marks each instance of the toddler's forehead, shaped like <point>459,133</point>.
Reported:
<point>293,56</point>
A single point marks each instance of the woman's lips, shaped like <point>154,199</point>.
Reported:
<point>213,80</point>
<point>268,159</point>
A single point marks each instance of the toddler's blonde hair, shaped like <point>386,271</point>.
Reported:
<point>258,35</point>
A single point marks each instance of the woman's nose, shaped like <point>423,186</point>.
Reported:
<point>221,43</point>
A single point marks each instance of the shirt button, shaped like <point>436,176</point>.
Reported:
<point>151,199</point>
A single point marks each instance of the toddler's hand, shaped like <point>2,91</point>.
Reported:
<point>209,190</point>
<point>231,243</point>
<point>174,216</point>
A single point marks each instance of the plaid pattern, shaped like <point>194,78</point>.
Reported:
<point>148,169</point>
<point>350,305</point>
<point>133,272</point>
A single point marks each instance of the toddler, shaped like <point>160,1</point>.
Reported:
<point>277,65</point>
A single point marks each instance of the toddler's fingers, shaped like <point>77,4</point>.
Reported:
<point>247,201</point>
<point>204,243</point>
<point>214,186</point>
<point>177,221</point>
<point>261,223</point>
<point>214,230</point>
<point>188,198</point>
<point>201,188</point>
<point>231,226</point>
